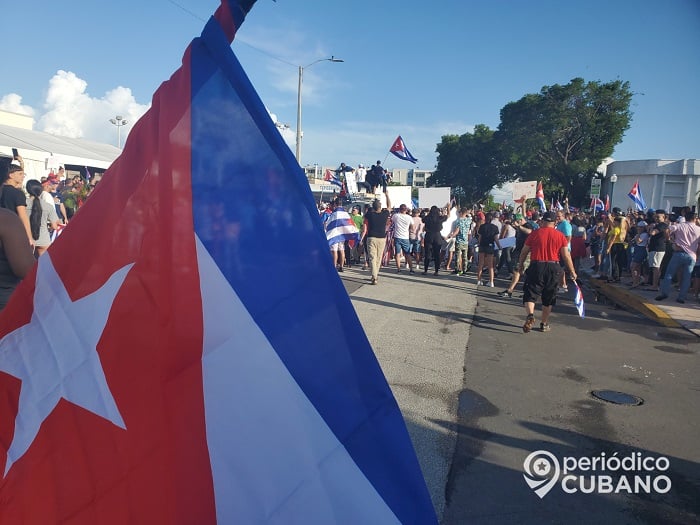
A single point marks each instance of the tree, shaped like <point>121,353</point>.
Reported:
<point>468,164</point>
<point>562,134</point>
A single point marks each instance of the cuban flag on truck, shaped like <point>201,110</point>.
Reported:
<point>331,177</point>
<point>172,376</point>
<point>399,149</point>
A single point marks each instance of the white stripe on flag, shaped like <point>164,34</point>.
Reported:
<point>274,459</point>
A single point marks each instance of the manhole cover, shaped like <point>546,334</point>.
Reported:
<point>618,398</point>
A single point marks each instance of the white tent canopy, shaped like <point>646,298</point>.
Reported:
<point>42,150</point>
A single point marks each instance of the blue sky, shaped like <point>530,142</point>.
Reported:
<point>415,68</point>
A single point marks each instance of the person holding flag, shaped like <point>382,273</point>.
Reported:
<point>340,228</point>
<point>546,246</point>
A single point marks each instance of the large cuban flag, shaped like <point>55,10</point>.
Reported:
<point>155,368</point>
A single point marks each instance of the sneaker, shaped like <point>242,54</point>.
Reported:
<point>528,323</point>
<point>660,297</point>
<point>340,269</point>
<point>505,293</point>
<point>412,270</point>
<point>373,281</point>
<point>480,283</point>
<point>682,301</point>
<point>544,327</point>
<point>491,285</point>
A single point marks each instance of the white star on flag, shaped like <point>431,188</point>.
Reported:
<point>54,359</point>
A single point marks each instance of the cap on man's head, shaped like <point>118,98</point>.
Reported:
<point>660,212</point>
<point>549,216</point>
<point>642,224</point>
<point>617,211</point>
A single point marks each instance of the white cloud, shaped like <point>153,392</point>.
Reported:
<point>13,103</point>
<point>70,111</point>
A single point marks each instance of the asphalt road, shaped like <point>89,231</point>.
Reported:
<point>479,397</point>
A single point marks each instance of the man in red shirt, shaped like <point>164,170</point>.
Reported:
<point>543,277</point>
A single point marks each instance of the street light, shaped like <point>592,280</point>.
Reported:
<point>119,122</point>
<point>613,180</point>
<point>301,75</point>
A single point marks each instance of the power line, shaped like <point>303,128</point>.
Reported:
<point>238,40</point>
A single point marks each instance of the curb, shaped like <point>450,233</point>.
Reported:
<point>634,302</point>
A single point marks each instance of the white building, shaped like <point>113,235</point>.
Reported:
<point>663,183</point>
<point>43,152</point>
<point>411,177</point>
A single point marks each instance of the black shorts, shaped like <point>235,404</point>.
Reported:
<point>542,282</point>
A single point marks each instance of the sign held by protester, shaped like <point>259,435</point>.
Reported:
<point>428,197</point>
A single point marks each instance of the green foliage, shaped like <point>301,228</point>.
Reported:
<point>562,134</point>
<point>468,163</point>
<point>558,136</point>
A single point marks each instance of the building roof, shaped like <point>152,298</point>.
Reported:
<point>38,146</point>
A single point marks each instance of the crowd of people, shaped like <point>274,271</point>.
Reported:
<point>370,179</point>
<point>649,249</point>
<point>41,209</point>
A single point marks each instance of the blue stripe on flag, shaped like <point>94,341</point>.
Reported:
<point>249,193</point>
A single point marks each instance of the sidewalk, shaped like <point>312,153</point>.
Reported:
<point>418,326</point>
<point>668,313</point>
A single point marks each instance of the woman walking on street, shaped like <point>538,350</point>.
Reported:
<point>433,238</point>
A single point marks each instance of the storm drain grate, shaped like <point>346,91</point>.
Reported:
<point>617,398</point>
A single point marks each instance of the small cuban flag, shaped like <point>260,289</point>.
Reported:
<point>597,205</point>
<point>331,177</point>
<point>399,149</point>
<point>636,195</point>
<point>578,301</point>
<point>540,197</point>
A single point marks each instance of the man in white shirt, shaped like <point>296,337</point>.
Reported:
<point>402,223</point>
<point>360,174</point>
